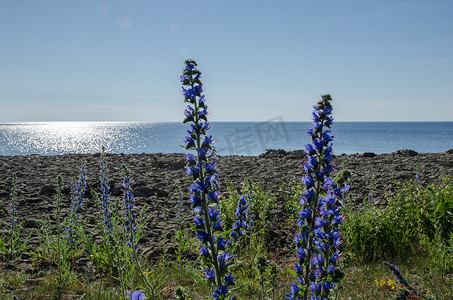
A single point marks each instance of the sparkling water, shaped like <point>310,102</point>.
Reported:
<point>232,138</point>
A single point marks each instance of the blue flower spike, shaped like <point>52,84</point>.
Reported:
<point>131,215</point>
<point>401,279</point>
<point>244,218</point>
<point>204,196</point>
<point>318,240</point>
<point>78,189</point>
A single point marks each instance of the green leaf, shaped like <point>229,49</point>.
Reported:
<point>192,226</point>
<point>292,272</point>
<point>199,279</point>
<point>236,264</point>
<point>240,287</point>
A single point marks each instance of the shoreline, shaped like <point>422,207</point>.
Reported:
<point>157,173</point>
<point>267,153</point>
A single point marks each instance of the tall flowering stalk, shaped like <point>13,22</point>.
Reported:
<point>61,257</point>
<point>409,289</point>
<point>110,253</point>
<point>131,215</point>
<point>78,189</point>
<point>11,245</point>
<point>132,235</point>
<point>318,241</point>
<point>204,195</point>
<point>244,218</point>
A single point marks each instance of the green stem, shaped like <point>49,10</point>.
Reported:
<point>143,275</point>
<point>119,267</point>
<point>59,189</point>
<point>208,226</point>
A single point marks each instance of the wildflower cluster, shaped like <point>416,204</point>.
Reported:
<point>130,225</point>
<point>244,217</point>
<point>318,241</point>
<point>11,245</point>
<point>78,189</point>
<point>204,195</point>
<point>390,284</point>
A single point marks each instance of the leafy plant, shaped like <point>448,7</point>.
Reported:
<point>12,244</point>
<point>204,196</point>
<point>318,239</point>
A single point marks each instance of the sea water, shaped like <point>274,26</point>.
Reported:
<point>232,138</point>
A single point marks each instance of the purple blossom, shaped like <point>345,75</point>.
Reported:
<point>204,195</point>
<point>244,217</point>
<point>220,292</point>
<point>129,209</point>
<point>320,213</point>
<point>78,189</point>
<point>137,295</point>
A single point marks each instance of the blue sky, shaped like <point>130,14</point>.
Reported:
<point>120,60</point>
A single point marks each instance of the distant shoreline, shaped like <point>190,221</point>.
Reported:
<point>267,153</point>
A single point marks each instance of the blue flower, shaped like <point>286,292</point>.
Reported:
<point>203,235</point>
<point>190,65</point>
<point>137,295</point>
<point>198,222</point>
<point>229,279</point>
<point>222,243</point>
<point>191,159</point>
<point>195,201</point>
<point>209,274</point>
<point>301,253</point>
<point>204,251</point>
<point>213,214</point>
<point>294,295</point>
<point>305,213</point>
<point>214,196</point>
<point>184,79</point>
<point>220,292</point>
<point>298,268</point>
<point>316,287</point>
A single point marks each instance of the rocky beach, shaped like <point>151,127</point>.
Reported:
<point>155,177</point>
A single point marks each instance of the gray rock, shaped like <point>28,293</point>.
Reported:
<point>48,190</point>
<point>368,154</point>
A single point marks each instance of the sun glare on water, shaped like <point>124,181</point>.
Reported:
<point>66,137</point>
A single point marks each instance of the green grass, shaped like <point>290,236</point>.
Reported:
<point>361,282</point>
<point>413,231</point>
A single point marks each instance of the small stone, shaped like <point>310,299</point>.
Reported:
<point>407,152</point>
<point>30,224</point>
<point>368,154</point>
<point>48,190</point>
